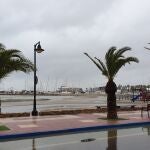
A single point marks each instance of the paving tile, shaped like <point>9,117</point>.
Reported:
<point>28,126</point>
<point>87,121</point>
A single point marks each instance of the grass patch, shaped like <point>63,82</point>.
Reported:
<point>3,128</point>
<point>113,119</point>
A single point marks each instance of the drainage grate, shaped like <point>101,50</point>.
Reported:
<point>88,140</point>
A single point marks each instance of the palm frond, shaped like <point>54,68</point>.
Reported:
<point>122,62</point>
<point>2,46</point>
<point>131,59</point>
<point>13,60</point>
<point>119,52</point>
<point>110,52</point>
<point>94,61</point>
<point>110,60</point>
<point>104,69</point>
<point>114,60</point>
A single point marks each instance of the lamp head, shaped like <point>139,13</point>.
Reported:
<point>38,49</point>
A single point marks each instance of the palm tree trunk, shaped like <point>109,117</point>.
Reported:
<point>110,90</point>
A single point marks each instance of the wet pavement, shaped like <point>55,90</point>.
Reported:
<point>34,124</point>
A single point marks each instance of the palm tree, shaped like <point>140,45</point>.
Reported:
<point>13,60</point>
<point>114,60</point>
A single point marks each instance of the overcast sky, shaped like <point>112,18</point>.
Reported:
<point>66,29</point>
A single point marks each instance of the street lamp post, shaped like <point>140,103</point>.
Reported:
<point>38,49</point>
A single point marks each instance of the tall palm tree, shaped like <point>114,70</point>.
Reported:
<point>114,60</point>
<point>13,60</point>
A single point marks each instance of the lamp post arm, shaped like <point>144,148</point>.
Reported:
<point>36,45</point>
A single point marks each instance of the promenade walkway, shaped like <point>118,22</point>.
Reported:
<point>64,123</point>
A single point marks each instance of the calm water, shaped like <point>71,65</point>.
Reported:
<point>117,139</point>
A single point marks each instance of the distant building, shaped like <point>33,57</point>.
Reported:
<point>95,90</point>
<point>73,90</point>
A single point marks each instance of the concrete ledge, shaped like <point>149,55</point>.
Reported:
<point>10,115</point>
<point>98,109</point>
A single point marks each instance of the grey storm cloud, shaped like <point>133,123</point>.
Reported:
<point>66,29</point>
